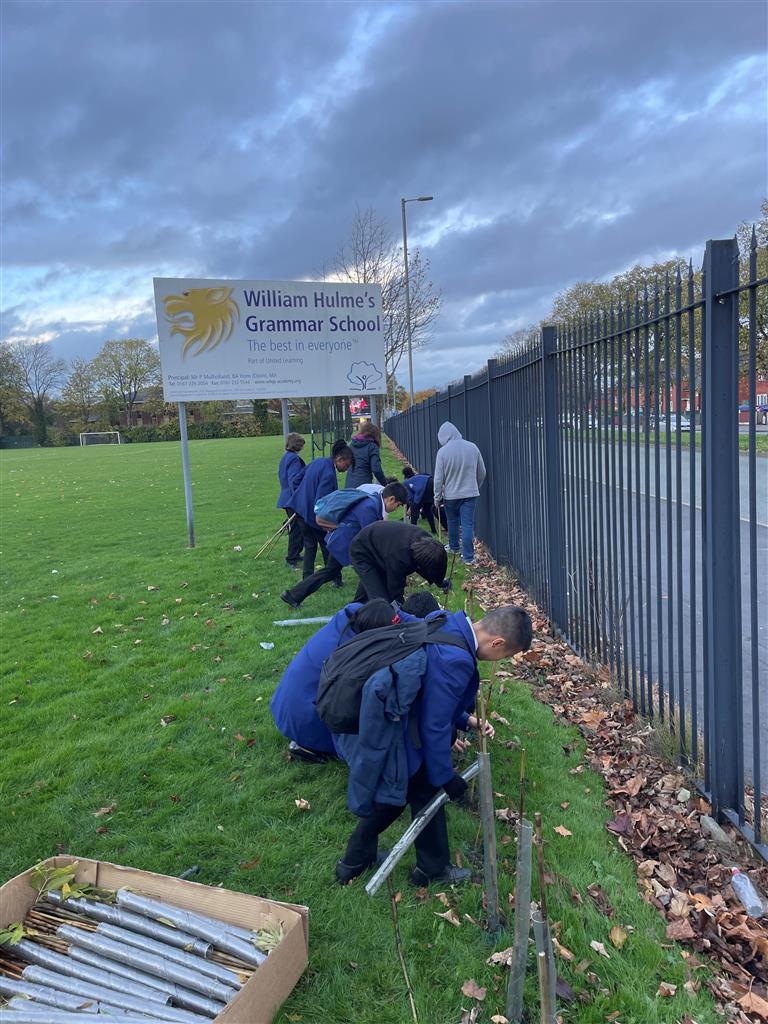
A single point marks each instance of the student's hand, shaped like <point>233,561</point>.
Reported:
<point>455,787</point>
<point>459,745</point>
<point>488,730</point>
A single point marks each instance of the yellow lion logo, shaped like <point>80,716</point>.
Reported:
<point>204,316</point>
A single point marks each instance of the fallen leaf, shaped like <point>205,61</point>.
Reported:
<point>600,948</point>
<point>562,830</point>
<point>618,936</point>
<point>105,810</point>
<point>443,898</point>
<point>503,958</point>
<point>753,1003</point>
<point>303,805</point>
<point>101,830</point>
<point>497,1018</point>
<point>666,991</point>
<point>680,929</point>
<point>473,991</point>
<point>167,719</point>
<point>148,588</point>
<point>451,917</point>
<point>220,828</point>
<point>98,631</point>
<point>565,805</point>
<point>561,951</point>
<point>564,991</point>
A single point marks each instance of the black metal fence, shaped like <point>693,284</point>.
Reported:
<point>627,500</point>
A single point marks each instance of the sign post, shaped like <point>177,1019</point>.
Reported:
<point>222,340</point>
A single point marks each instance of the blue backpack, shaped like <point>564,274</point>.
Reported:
<point>330,510</point>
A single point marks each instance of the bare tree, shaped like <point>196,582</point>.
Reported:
<point>81,392</point>
<point>371,256</point>
<point>40,374</point>
<point>518,340</point>
<point>125,368</point>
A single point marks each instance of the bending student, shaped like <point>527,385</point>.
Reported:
<point>289,473</point>
<point>385,554</point>
<point>402,751</point>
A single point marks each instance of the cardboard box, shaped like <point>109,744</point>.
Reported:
<point>259,999</point>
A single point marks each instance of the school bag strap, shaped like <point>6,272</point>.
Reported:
<point>345,671</point>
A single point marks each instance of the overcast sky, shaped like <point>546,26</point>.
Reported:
<point>561,141</point>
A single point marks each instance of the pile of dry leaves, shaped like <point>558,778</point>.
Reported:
<point>656,812</point>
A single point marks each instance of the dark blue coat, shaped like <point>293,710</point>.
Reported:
<point>447,697</point>
<point>293,702</point>
<point>289,473</point>
<point>319,479</point>
<point>365,512</point>
<point>367,463</point>
<point>416,486</point>
<point>377,756</point>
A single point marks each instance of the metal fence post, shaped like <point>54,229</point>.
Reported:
<point>553,481</point>
<point>467,382</point>
<point>722,555</point>
<point>493,492</point>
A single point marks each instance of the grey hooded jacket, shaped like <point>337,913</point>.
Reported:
<point>459,466</point>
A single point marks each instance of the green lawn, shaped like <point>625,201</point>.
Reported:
<point>109,624</point>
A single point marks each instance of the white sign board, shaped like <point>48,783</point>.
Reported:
<point>268,339</point>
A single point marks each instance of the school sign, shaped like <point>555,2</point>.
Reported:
<point>268,339</point>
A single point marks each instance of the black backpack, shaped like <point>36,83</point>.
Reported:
<point>340,690</point>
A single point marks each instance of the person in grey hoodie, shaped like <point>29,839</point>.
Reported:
<point>458,477</point>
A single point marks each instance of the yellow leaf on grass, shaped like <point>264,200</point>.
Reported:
<point>618,936</point>
<point>600,948</point>
<point>562,830</point>
<point>303,805</point>
<point>451,917</point>
<point>753,1003</point>
<point>561,951</point>
<point>666,991</point>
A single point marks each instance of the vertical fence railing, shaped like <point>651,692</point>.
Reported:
<point>625,500</point>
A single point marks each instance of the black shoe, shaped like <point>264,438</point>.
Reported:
<point>346,872</point>
<point>292,565</point>
<point>450,875</point>
<point>306,755</point>
<point>338,582</point>
<point>286,596</point>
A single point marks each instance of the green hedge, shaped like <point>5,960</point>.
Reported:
<point>210,429</point>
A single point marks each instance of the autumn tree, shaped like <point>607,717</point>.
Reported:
<point>370,255</point>
<point>753,252</point>
<point>124,368</point>
<point>81,391</point>
<point>517,340</point>
<point>40,376</point>
<point>10,387</point>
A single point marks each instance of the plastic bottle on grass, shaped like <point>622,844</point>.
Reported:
<point>746,893</point>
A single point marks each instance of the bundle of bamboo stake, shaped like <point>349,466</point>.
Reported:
<point>125,955</point>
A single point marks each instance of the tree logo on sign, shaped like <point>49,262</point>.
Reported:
<point>363,376</point>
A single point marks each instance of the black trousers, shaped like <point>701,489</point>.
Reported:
<point>330,572</point>
<point>426,511</point>
<point>373,582</point>
<point>432,850</point>
<point>313,538</point>
<point>295,539</point>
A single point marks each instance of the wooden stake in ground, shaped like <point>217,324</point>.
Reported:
<point>490,858</point>
<point>399,947</point>
<point>514,1011</point>
<point>541,927</point>
<point>547,1009</point>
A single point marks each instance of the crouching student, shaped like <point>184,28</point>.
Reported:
<point>402,752</point>
<point>385,554</point>
<point>371,508</point>
<point>293,702</point>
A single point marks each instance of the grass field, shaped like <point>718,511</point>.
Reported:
<point>110,625</point>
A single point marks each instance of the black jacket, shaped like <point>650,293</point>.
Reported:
<point>387,547</point>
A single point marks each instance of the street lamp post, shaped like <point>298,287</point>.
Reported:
<point>418,199</point>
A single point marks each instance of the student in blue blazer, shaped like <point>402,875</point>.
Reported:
<point>370,509</point>
<point>289,473</point>
<point>319,479</point>
<point>421,739</point>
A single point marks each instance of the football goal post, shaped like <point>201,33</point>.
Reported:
<point>100,437</point>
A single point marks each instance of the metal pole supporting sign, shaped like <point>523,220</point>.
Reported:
<point>187,477</point>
